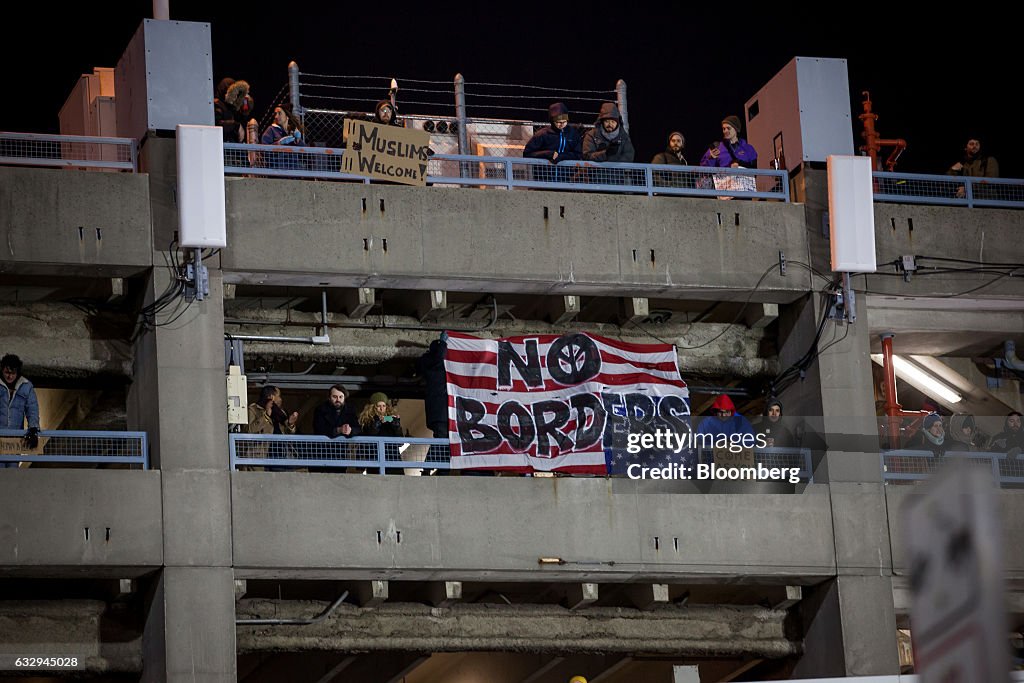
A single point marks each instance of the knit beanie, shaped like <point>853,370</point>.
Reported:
<point>377,397</point>
<point>734,121</point>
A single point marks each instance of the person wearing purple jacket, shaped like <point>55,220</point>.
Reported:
<point>732,151</point>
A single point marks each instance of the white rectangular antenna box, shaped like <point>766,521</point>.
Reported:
<point>851,214</point>
<point>201,220</point>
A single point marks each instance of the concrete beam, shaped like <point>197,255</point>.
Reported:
<point>695,631</point>
<point>758,316</point>
<point>70,627</point>
<point>437,513</point>
<point>570,308</point>
<point>793,595</point>
<point>602,245</point>
<point>579,595</point>
<point>647,596</point>
<point>636,309</point>
<point>444,593</point>
<point>431,304</point>
<point>51,531</point>
<point>371,593</point>
<point>57,222</point>
<point>543,669</point>
<point>359,301</point>
<point>705,349</point>
<point>58,340</point>
<point>610,671</point>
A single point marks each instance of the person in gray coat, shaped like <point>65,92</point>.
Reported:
<point>608,140</point>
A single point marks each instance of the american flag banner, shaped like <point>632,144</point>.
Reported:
<point>557,403</point>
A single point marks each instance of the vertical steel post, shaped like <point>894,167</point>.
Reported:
<point>293,89</point>
<point>620,99</point>
<point>892,406</point>
<point>462,119</point>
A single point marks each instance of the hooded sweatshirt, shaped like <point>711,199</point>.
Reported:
<point>600,145</point>
<point>734,424</point>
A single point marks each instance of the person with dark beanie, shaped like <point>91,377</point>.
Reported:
<point>556,143</point>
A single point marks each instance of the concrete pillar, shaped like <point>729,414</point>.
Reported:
<point>178,397</point>
<point>846,631</point>
<point>849,622</point>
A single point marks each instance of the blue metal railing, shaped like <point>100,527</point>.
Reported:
<point>61,151</point>
<point>286,451</point>
<point>948,190</point>
<point>64,446</point>
<point>516,172</point>
<point>909,466</point>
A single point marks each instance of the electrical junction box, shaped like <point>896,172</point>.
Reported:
<point>238,410</point>
<point>802,114</point>
<point>165,78</point>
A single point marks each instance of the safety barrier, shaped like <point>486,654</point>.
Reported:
<point>68,151</point>
<point>67,447</point>
<point>908,466</point>
<point>948,190</point>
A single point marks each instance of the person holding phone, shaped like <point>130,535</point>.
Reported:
<point>378,417</point>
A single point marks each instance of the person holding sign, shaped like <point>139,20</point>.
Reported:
<point>386,114</point>
<point>733,151</point>
<point>18,403</point>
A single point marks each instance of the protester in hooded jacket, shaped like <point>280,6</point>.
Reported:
<point>732,151</point>
<point>725,420</point>
<point>608,139</point>
<point>557,142</point>
<point>931,436</point>
<point>1011,439</point>
<point>962,433</point>
<point>772,426</point>
<point>232,108</point>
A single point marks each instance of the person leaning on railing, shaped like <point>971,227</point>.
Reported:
<point>555,143</point>
<point>1011,439</point>
<point>673,156</point>
<point>378,418</point>
<point>931,437</point>
<point>974,164</point>
<point>608,139</point>
<point>771,424</point>
<point>18,404</point>
<point>333,418</point>
<point>732,151</point>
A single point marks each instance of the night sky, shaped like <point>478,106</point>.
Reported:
<point>934,78</point>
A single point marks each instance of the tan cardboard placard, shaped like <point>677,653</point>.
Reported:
<point>386,152</point>
<point>15,445</point>
<point>726,458</point>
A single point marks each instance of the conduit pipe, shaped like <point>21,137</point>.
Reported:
<point>1010,356</point>
<point>294,622</point>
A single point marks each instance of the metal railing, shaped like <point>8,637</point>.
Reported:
<point>908,467</point>
<point>948,190</point>
<point>68,151</point>
<point>61,446</point>
<point>362,453</point>
<point>517,173</point>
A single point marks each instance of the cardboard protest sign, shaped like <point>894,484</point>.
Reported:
<point>386,152</point>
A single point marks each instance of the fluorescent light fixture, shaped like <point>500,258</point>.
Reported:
<point>921,380</point>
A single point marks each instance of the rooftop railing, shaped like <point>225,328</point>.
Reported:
<point>75,447</point>
<point>517,173</point>
<point>948,190</point>
<point>909,466</point>
<point>68,151</point>
<point>381,454</point>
